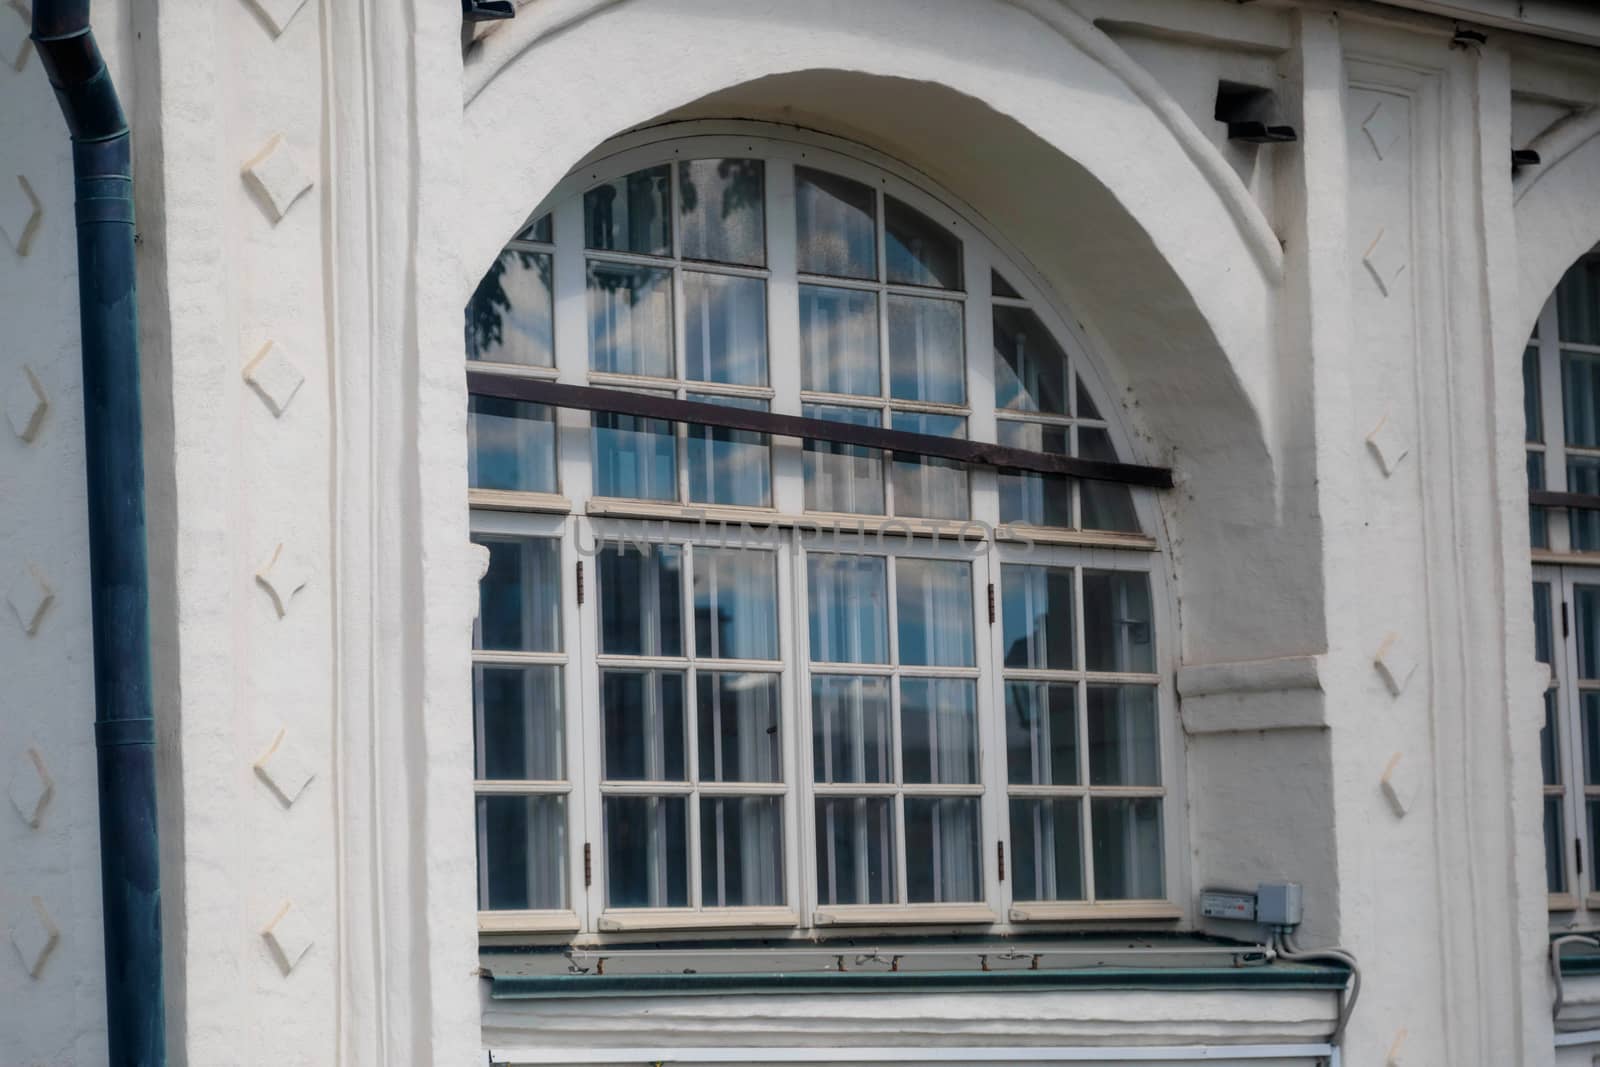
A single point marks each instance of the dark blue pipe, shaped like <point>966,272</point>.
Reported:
<point>118,578</point>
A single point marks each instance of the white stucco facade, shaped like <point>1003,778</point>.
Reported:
<point>1322,339</point>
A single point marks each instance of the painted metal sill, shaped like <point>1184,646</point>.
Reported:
<point>528,922</point>
<point>507,500</point>
<point>1053,911</point>
<point>922,914</point>
<point>623,920</point>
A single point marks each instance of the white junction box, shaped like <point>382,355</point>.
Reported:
<point>1278,903</point>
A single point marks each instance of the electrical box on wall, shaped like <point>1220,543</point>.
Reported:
<point>1272,904</point>
<point>1228,904</point>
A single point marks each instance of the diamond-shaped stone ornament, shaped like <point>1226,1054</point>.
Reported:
<point>289,936</point>
<point>15,25</point>
<point>25,403</point>
<point>1388,445</point>
<point>274,377</point>
<point>33,935</point>
<point>278,13</point>
<point>284,575</point>
<point>1385,260</point>
<point>1383,128</point>
<point>1395,663</point>
<point>29,787</point>
<point>278,175</point>
<point>20,212</point>
<point>1400,785</point>
<point>285,769</point>
<point>30,597</point>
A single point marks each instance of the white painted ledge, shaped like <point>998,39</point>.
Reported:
<point>1280,1054</point>
<point>1283,693</point>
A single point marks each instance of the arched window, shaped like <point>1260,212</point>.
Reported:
<point>731,680</point>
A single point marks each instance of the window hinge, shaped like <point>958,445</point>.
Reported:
<point>1577,852</point>
<point>588,858</point>
<point>1000,847</point>
<point>991,603</point>
<point>580,604</point>
<point>1563,618</point>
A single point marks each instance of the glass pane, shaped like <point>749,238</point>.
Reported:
<point>1036,617</point>
<point>855,850</point>
<point>520,730</point>
<point>1027,497</point>
<point>1591,737</point>
<point>1047,848</point>
<point>918,250</point>
<point>1580,394</point>
<point>926,350</point>
<point>1543,623</point>
<point>1578,302</point>
<point>843,478</point>
<point>1538,521</point>
<point>647,852</point>
<point>724,329</point>
<point>630,214</point>
<point>1126,832</point>
<point>634,457</point>
<point>839,340</point>
<point>943,849</point>
<point>1106,505</point>
<point>509,318</point>
<point>925,486</point>
<point>630,319</point>
<point>1086,407</point>
<point>849,609</point>
<point>722,210</point>
<point>1583,476</point>
<point>1042,733</point>
<point>729,466</point>
<point>836,225</point>
<point>522,853</point>
<point>1000,287</point>
<point>1592,810</point>
<point>1555,870</point>
<point>519,598</point>
<point>641,600</point>
<point>741,852</point>
<point>538,230</point>
<point>1030,369</point>
<point>850,729</point>
<point>933,602</point>
<point>939,730</point>
<point>511,445</point>
<point>1123,745</point>
<point>1550,741</point>
<point>1531,411</point>
<point>645,736</point>
<point>1117,631</point>
<point>735,603</point>
<point>1586,620</point>
<point>739,738</point>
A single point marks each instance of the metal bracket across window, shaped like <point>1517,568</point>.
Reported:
<point>1550,498</point>
<point>977,453</point>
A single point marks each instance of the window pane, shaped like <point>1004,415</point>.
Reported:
<point>1580,393</point>
<point>855,850</point>
<point>1555,872</point>
<point>641,600</point>
<point>1583,476</point>
<point>1106,505</point>
<point>538,230</point>
<point>1586,620</point>
<point>844,478</point>
<point>850,729</point>
<point>1591,737</point>
<point>933,599</point>
<point>1027,497</point>
<point>1578,302</point>
<point>729,466</point>
<point>735,603</point>
<point>522,853</point>
<point>634,457</point>
<point>519,598</point>
<point>1538,522</point>
<point>1046,848</point>
<point>836,225</point>
<point>647,852</point>
<point>1036,616</point>
<point>849,609</point>
<point>1550,741</point>
<point>1117,631</point>
<point>1542,622</point>
<point>645,736</point>
<point>1042,733</point>
<point>741,852</point>
<point>630,214</point>
<point>925,486</point>
<point>512,445</point>
<point>509,318</point>
<point>739,730</point>
<point>1591,808</point>
<point>630,319</point>
<point>918,250</point>
<point>724,329</point>
<point>722,210</point>
<point>1086,408</point>
<point>1123,747</point>
<point>1531,411</point>
<point>1127,848</point>
<point>520,732</point>
<point>839,340</point>
<point>1000,287</point>
<point>926,350</point>
<point>943,838</point>
<point>1030,370</point>
<point>939,731</point>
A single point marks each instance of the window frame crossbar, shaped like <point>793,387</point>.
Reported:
<point>700,413</point>
<point>1553,498</point>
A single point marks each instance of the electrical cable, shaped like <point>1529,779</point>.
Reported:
<point>1284,943</point>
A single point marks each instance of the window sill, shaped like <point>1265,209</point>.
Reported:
<point>901,915</point>
<point>528,922</point>
<point>1586,559</point>
<point>1051,535</point>
<point>1120,911</point>
<point>1563,902</point>
<point>508,500</point>
<point>624,920</point>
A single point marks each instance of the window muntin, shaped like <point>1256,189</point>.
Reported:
<point>897,749</point>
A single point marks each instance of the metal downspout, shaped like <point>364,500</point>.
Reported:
<point>119,584</point>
